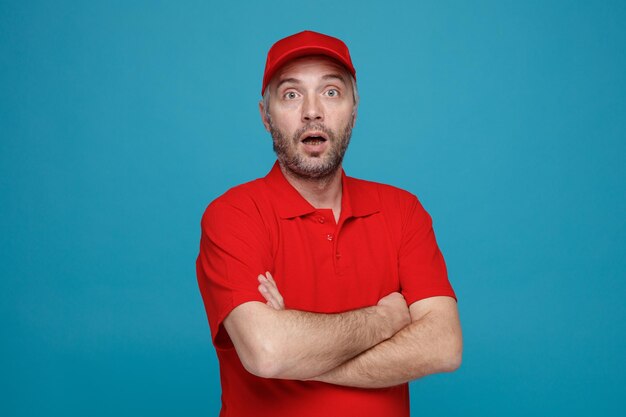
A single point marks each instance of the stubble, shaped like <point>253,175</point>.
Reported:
<point>311,166</point>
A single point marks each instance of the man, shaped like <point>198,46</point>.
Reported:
<point>325,294</point>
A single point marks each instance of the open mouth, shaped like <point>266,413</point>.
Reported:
<point>313,140</point>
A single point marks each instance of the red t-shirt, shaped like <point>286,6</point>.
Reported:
<point>383,242</point>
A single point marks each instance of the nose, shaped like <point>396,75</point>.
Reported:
<point>312,109</point>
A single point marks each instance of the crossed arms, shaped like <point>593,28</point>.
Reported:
<point>374,347</point>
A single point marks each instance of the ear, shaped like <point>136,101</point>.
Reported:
<point>263,118</point>
<point>354,112</point>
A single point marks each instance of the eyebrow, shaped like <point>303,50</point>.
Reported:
<point>324,77</point>
<point>287,80</point>
<point>334,77</point>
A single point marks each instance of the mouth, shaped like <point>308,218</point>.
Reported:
<point>314,142</point>
<point>313,138</point>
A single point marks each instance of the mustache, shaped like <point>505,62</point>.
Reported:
<point>318,127</point>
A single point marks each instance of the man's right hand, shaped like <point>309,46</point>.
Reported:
<point>393,307</point>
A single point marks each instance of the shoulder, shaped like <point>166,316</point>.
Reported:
<point>241,194</point>
<point>389,196</point>
<point>242,201</point>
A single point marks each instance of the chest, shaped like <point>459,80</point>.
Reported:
<point>323,266</point>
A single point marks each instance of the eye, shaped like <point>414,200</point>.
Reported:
<point>332,92</point>
<point>290,95</point>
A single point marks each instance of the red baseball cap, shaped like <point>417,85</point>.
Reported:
<point>302,44</point>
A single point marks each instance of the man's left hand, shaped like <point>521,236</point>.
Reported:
<point>269,290</point>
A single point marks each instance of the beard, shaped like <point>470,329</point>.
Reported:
<point>311,166</point>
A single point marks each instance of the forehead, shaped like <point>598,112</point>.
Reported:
<point>311,66</point>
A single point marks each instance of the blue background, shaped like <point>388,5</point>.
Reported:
<point>121,120</point>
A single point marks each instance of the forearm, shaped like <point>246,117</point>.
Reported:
<point>308,344</point>
<point>429,345</point>
<point>292,344</point>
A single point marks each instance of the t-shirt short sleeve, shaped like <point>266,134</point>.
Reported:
<point>234,249</point>
<point>422,269</point>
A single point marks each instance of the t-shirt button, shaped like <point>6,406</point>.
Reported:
<point>337,255</point>
<point>329,236</point>
<point>321,220</point>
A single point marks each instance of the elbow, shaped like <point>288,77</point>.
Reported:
<point>258,348</point>
<point>269,361</point>
<point>452,355</point>
<point>262,361</point>
<point>261,368</point>
<point>452,363</point>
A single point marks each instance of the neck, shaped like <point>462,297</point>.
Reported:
<point>319,192</point>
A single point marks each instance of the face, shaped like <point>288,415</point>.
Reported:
<point>310,117</point>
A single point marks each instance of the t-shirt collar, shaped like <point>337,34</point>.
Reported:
<point>356,200</point>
